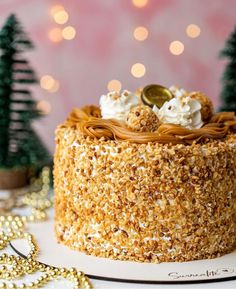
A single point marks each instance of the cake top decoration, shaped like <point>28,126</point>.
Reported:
<point>142,118</point>
<point>155,94</point>
<point>182,110</point>
<point>207,109</point>
<point>117,105</point>
<point>182,118</point>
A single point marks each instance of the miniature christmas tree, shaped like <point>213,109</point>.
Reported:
<point>19,144</point>
<point>228,94</point>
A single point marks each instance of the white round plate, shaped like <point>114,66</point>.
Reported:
<point>52,253</point>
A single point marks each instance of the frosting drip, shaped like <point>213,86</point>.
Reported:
<point>87,120</point>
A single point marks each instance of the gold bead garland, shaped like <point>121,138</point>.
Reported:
<point>13,227</point>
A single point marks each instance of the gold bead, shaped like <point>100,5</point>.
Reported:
<point>73,271</point>
<point>40,279</point>
<point>28,269</point>
<point>45,276</point>
<point>3,268</point>
<point>7,276</point>
<point>11,235</point>
<point>7,224</point>
<point>11,286</point>
<point>3,285</point>
<point>83,279</point>
<point>49,268</point>
<point>63,272</point>
<point>20,259</point>
<point>30,259</point>
<point>52,274</point>
<point>56,270</point>
<point>19,234</point>
<point>4,256</point>
<point>10,259</point>
<point>31,285</point>
<point>41,267</point>
<point>22,286</point>
<point>17,218</point>
<point>77,283</point>
<point>10,218</point>
<point>24,218</point>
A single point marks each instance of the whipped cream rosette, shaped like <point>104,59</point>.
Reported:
<point>117,105</point>
<point>181,109</point>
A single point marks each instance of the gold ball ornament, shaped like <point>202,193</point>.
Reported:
<point>155,94</point>
<point>142,118</point>
<point>207,106</point>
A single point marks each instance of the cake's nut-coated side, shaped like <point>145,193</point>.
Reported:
<point>142,118</point>
<point>145,202</point>
<point>207,105</point>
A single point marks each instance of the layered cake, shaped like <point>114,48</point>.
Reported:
<point>148,179</point>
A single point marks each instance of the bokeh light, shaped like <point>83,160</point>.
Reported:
<point>114,84</point>
<point>138,70</point>
<point>44,107</point>
<point>47,82</point>
<point>140,33</point>
<point>55,87</point>
<point>176,47</point>
<point>55,34</point>
<point>55,9</point>
<point>193,30</point>
<point>69,33</point>
<point>140,3</point>
<point>61,17</point>
<point>50,84</point>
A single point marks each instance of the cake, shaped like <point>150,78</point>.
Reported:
<point>164,190</point>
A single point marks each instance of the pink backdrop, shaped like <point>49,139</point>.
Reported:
<point>104,48</point>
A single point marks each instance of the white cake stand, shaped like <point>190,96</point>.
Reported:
<point>52,253</point>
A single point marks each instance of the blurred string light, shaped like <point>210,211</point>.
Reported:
<point>44,107</point>
<point>138,70</point>
<point>140,3</point>
<point>55,9</point>
<point>59,14</point>
<point>61,17</point>
<point>69,33</point>
<point>50,84</point>
<point>140,33</point>
<point>176,47</point>
<point>114,85</point>
<point>193,30</point>
<point>55,34</point>
<point>55,87</point>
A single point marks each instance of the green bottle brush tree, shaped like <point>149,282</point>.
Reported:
<point>20,146</point>
<point>228,93</point>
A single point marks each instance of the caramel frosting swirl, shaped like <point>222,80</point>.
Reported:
<point>89,123</point>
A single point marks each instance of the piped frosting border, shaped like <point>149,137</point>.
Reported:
<point>89,123</point>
